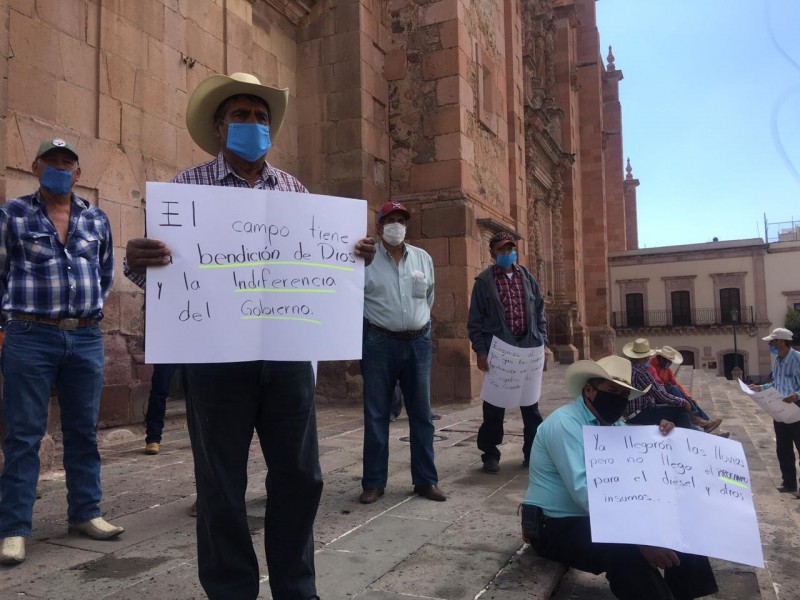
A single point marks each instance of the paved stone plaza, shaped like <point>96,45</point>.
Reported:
<point>401,547</point>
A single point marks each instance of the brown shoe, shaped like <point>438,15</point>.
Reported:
<point>712,425</point>
<point>431,492</point>
<point>193,509</point>
<point>370,495</point>
<point>699,421</point>
<point>152,448</point>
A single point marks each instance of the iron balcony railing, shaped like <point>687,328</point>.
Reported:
<point>699,317</point>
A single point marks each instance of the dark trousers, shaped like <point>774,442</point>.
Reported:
<point>630,576</point>
<point>787,438</point>
<point>490,434</point>
<point>225,403</point>
<point>157,402</point>
<point>654,414</point>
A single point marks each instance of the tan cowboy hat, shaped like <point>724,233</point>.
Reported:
<point>670,354</point>
<point>639,348</point>
<point>214,90</point>
<point>613,368</point>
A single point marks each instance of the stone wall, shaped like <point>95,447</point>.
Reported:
<point>479,116</point>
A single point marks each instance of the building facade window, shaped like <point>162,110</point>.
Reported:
<point>634,308</point>
<point>681,308</point>
<point>729,289</point>
<point>728,300</point>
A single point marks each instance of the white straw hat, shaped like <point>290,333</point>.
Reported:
<point>214,90</point>
<point>612,368</point>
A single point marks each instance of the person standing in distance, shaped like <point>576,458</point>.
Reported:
<point>56,269</point>
<point>785,379</point>
<point>508,304</point>
<point>235,118</point>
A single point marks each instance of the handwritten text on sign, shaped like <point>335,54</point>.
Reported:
<point>689,491</point>
<point>514,377</point>
<point>771,400</point>
<point>255,274</point>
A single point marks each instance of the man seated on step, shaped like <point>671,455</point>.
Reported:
<point>660,369</point>
<point>555,514</point>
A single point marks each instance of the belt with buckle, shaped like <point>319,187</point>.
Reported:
<point>399,335</point>
<point>68,323</point>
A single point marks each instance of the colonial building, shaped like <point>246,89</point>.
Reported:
<point>480,116</point>
<point>713,301</point>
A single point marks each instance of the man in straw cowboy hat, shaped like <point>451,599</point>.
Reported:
<point>785,379</point>
<point>555,513</point>
<point>659,368</point>
<point>656,404</point>
<point>235,118</point>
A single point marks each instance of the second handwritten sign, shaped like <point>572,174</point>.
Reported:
<point>255,274</point>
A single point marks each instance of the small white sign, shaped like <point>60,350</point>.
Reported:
<point>771,400</point>
<point>514,377</point>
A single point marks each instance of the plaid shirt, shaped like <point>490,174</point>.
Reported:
<point>39,275</point>
<point>512,296</point>
<point>640,379</point>
<point>218,172</point>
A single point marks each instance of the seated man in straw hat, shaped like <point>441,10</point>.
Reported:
<point>235,118</point>
<point>555,514</point>
<point>657,403</point>
<point>660,369</point>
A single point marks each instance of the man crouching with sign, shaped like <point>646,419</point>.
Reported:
<point>555,515</point>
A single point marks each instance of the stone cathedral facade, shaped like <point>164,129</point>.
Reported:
<point>479,115</point>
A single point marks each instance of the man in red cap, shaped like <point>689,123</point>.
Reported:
<point>398,295</point>
<point>506,303</point>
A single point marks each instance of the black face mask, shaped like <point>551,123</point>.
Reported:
<point>609,406</point>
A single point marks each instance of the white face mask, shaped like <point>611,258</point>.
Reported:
<point>394,233</point>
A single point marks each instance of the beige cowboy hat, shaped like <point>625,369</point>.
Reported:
<point>639,348</point>
<point>613,368</point>
<point>670,354</point>
<point>214,90</point>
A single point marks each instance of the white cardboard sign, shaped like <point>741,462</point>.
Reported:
<point>514,377</point>
<point>255,274</point>
<point>688,491</point>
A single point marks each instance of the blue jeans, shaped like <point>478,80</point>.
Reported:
<point>385,361</point>
<point>225,403</point>
<point>654,415</point>
<point>34,358</point>
<point>157,402</point>
<point>696,410</point>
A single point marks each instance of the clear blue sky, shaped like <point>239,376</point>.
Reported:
<point>710,113</point>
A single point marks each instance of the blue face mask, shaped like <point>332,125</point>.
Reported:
<point>773,350</point>
<point>56,181</point>
<point>504,261</point>
<point>249,141</point>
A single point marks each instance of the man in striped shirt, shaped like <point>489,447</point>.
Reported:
<point>506,303</point>
<point>657,403</point>
<point>56,269</point>
<point>785,379</point>
<point>235,118</point>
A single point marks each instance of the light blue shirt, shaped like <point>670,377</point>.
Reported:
<point>399,297</point>
<point>557,479</point>
<point>786,374</point>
